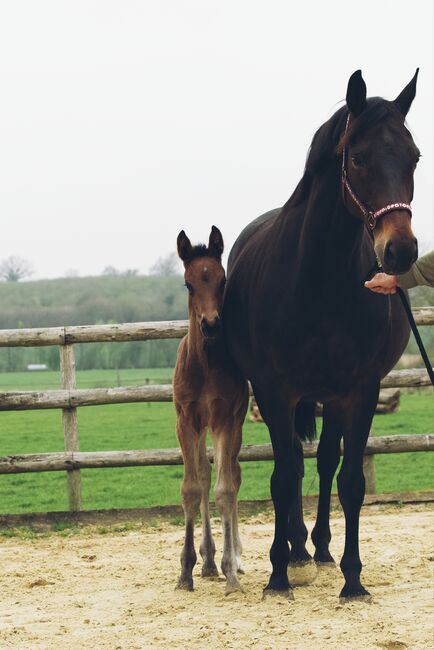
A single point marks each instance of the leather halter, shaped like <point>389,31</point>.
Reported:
<point>370,216</point>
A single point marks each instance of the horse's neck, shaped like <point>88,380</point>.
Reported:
<point>330,238</point>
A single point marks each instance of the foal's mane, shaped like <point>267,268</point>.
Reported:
<point>329,140</point>
<point>200,250</point>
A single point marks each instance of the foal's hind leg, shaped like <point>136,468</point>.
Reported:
<point>191,497</point>
<point>207,546</point>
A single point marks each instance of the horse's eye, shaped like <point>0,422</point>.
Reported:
<point>222,285</point>
<point>357,160</point>
<point>189,288</point>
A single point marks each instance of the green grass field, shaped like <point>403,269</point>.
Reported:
<point>140,426</point>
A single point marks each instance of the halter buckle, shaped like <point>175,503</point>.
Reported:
<point>371,221</point>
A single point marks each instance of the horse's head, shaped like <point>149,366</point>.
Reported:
<point>205,280</point>
<point>379,161</point>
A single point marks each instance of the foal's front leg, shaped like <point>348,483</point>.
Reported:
<point>191,497</point>
<point>207,545</point>
<point>227,441</point>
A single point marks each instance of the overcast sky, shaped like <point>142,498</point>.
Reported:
<point>123,122</point>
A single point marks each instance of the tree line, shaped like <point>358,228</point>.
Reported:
<point>111,298</point>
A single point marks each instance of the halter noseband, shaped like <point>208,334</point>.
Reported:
<point>370,216</point>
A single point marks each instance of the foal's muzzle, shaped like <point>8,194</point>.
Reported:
<point>210,329</point>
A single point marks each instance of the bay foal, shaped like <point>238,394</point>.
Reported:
<point>209,393</point>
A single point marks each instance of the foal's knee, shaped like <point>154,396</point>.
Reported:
<point>225,498</point>
<point>191,496</point>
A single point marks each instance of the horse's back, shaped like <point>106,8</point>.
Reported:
<point>254,229</point>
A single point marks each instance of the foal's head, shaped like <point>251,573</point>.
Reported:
<point>205,281</point>
<point>380,159</point>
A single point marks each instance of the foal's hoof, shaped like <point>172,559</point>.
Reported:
<point>287,594</point>
<point>185,583</point>
<point>302,573</point>
<point>232,586</point>
<point>210,571</point>
<point>349,595</point>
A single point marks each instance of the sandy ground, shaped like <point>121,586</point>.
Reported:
<point>116,591</point>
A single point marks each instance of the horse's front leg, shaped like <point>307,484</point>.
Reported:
<point>351,488</point>
<point>278,414</point>
<point>191,493</point>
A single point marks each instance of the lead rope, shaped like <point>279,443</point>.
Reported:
<point>379,269</point>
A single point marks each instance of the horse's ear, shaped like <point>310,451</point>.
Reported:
<point>405,98</point>
<point>184,246</point>
<point>215,244</point>
<point>356,93</point>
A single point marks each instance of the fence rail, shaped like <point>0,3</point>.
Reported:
<point>35,337</point>
<point>75,460</point>
<point>77,397</point>
<point>69,398</point>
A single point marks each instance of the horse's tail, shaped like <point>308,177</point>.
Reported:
<point>305,424</point>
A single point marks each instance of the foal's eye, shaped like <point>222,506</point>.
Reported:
<point>357,160</point>
<point>189,288</point>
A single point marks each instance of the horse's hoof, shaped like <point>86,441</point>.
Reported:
<point>210,571</point>
<point>287,594</point>
<point>324,559</point>
<point>240,570</point>
<point>302,573</point>
<point>359,593</point>
<point>325,565</point>
<point>185,584</point>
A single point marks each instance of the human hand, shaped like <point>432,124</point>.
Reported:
<point>382,283</point>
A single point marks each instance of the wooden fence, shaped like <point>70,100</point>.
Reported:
<point>69,398</point>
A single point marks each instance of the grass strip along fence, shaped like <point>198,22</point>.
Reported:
<point>69,398</point>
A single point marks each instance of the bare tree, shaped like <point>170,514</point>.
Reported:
<point>167,265</point>
<point>13,269</point>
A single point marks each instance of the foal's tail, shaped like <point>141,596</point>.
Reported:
<point>305,424</point>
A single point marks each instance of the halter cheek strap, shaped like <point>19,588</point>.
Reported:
<point>370,216</point>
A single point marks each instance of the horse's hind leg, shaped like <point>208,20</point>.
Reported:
<point>328,455</point>
<point>191,497</point>
<point>301,567</point>
<point>207,546</point>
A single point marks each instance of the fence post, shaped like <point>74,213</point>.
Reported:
<point>369,473</point>
<point>70,426</point>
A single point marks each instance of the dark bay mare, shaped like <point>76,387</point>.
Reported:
<point>301,326</point>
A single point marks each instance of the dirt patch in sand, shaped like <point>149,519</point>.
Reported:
<point>116,591</point>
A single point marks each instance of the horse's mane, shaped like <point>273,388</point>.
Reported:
<point>329,141</point>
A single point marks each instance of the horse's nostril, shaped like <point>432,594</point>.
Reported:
<point>389,252</point>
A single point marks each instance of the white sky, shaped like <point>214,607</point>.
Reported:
<point>123,122</point>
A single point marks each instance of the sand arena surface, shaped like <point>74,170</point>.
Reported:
<point>116,591</point>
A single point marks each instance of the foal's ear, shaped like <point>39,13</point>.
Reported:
<point>184,247</point>
<point>356,93</point>
<point>405,98</point>
<point>215,244</point>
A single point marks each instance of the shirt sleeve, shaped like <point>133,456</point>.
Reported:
<point>422,272</point>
